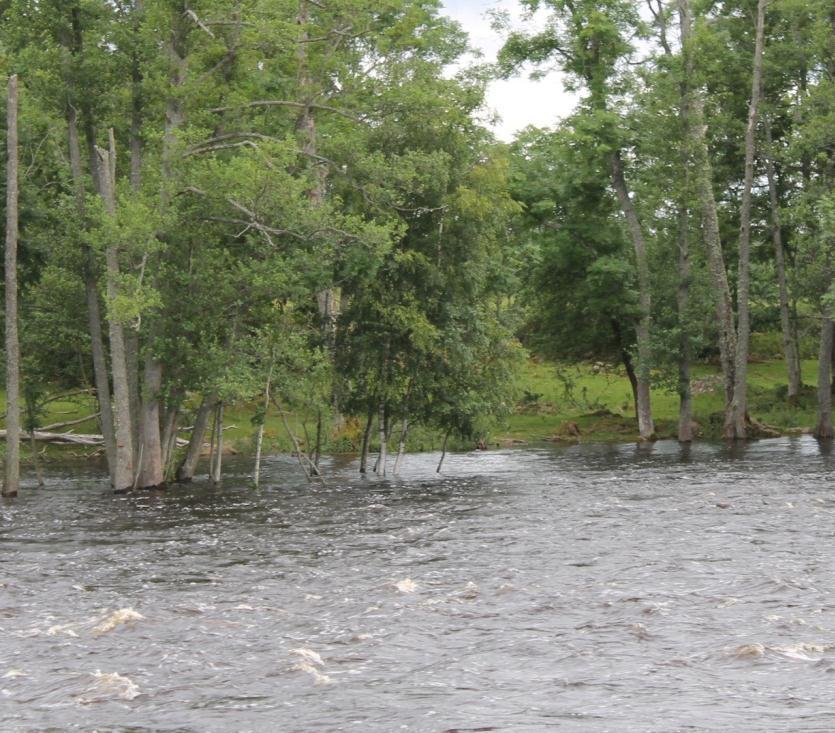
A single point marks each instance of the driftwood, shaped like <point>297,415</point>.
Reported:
<point>71,438</point>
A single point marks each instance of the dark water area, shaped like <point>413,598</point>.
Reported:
<point>585,588</point>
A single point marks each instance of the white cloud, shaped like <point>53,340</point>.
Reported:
<point>519,101</point>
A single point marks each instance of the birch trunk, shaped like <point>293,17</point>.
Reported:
<point>786,322</point>
<point>737,416</point>
<point>94,320</point>
<point>401,448</point>
<point>259,442</point>
<point>380,469</point>
<point>217,468</point>
<point>366,441</point>
<point>702,170</point>
<point>124,469</point>
<point>646,428</point>
<point>685,406</point>
<point>188,467</point>
<point>11,485</point>
<point>823,429</point>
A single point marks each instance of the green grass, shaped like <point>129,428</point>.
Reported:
<point>597,398</point>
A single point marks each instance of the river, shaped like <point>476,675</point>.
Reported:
<point>586,588</point>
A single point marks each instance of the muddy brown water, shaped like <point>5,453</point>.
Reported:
<point>587,588</point>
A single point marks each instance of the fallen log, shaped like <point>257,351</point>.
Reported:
<point>72,438</point>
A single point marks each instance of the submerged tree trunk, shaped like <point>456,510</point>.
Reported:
<point>697,131</point>
<point>11,486</point>
<point>124,473</point>
<point>443,453</point>
<point>823,429</point>
<point>188,467</point>
<point>382,458</point>
<point>646,428</point>
<point>401,448</point>
<point>685,405</point>
<point>94,320</point>
<point>151,469</point>
<point>259,441</point>
<point>366,441</point>
<point>217,463</point>
<point>737,416</point>
<point>787,325</point>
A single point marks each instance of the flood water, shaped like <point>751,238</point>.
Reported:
<point>585,588</point>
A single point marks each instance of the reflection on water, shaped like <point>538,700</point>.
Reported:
<point>582,588</point>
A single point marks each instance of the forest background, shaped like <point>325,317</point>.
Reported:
<point>286,225</point>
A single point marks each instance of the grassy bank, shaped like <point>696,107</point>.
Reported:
<point>571,402</point>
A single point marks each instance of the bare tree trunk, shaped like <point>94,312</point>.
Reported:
<point>217,467</point>
<point>685,407</point>
<point>94,320</point>
<point>12,482</point>
<point>132,359</point>
<point>736,417</point>
<point>646,428</point>
<point>823,429</point>
<point>443,453</point>
<point>124,473</point>
<point>151,469</point>
<point>697,130</point>
<point>259,441</point>
<point>366,440</point>
<point>188,467</point>
<point>401,448</point>
<point>380,469</point>
<point>169,438</point>
<point>787,325</point>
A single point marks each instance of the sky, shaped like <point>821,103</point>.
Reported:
<point>518,101</point>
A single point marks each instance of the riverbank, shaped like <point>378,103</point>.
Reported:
<point>589,402</point>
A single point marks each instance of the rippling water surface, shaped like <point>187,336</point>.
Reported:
<point>590,588</point>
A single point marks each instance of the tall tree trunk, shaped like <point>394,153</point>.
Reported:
<point>736,417</point>
<point>401,448</point>
<point>702,170</point>
<point>626,359</point>
<point>366,441</point>
<point>380,470</point>
<point>646,428</point>
<point>259,441</point>
<point>823,429</point>
<point>12,482</point>
<point>169,436</point>
<point>124,472</point>
<point>217,463</point>
<point>151,473</point>
<point>443,453</point>
<point>787,325</point>
<point>188,467</point>
<point>685,406</point>
<point>94,320</point>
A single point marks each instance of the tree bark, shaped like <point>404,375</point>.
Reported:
<point>737,415</point>
<point>124,470</point>
<point>646,428</point>
<point>188,467</point>
<point>259,441</point>
<point>217,463</point>
<point>380,469</point>
<point>787,324</point>
<point>401,448</point>
<point>443,453</point>
<point>366,441</point>
<point>685,406</point>
<point>697,131</point>
<point>823,428</point>
<point>151,470</point>
<point>94,320</point>
<point>11,485</point>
